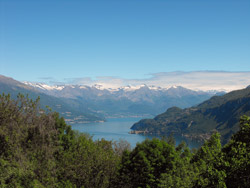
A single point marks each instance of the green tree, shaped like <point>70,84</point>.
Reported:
<point>237,156</point>
<point>38,149</point>
<point>87,163</point>
<point>144,165</point>
<point>208,164</point>
<point>182,175</point>
<point>28,142</point>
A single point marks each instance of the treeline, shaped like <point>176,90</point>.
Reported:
<point>38,149</point>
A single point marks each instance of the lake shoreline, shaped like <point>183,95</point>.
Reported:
<point>115,129</point>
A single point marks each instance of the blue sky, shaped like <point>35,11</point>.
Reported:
<point>59,40</point>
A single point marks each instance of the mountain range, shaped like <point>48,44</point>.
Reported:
<point>65,107</point>
<point>127,101</point>
<point>81,103</point>
<point>220,113</point>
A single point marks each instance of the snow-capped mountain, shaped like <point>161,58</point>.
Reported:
<point>43,86</point>
<point>141,100</point>
<point>66,107</point>
<point>128,88</point>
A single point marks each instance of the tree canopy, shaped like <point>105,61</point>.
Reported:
<point>38,149</point>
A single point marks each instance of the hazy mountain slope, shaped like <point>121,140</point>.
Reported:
<point>70,109</point>
<point>126,101</point>
<point>220,113</point>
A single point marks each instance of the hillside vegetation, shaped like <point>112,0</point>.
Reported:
<point>38,149</point>
<point>220,113</point>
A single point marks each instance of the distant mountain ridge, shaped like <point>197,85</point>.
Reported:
<point>67,110</point>
<point>141,100</point>
<point>220,113</point>
<point>94,103</point>
<point>45,87</point>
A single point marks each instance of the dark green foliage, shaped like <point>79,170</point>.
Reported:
<point>209,161</point>
<point>238,156</point>
<point>156,163</point>
<point>210,166</point>
<point>87,163</point>
<point>28,143</point>
<point>38,149</point>
<point>220,113</point>
<point>145,164</point>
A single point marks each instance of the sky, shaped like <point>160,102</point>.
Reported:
<point>62,41</point>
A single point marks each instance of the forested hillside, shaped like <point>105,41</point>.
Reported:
<point>38,149</point>
<point>220,113</point>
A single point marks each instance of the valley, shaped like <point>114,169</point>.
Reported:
<point>125,101</point>
<point>181,111</point>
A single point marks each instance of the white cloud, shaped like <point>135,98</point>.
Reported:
<point>204,80</point>
<point>197,80</point>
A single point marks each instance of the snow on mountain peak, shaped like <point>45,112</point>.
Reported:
<point>126,88</point>
<point>152,87</point>
<point>99,86</point>
<point>43,86</point>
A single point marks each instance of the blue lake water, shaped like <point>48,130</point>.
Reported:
<point>119,128</point>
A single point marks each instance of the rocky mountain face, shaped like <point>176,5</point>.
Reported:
<point>220,113</point>
<point>125,101</point>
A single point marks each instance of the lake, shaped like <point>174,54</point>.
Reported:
<point>119,128</point>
